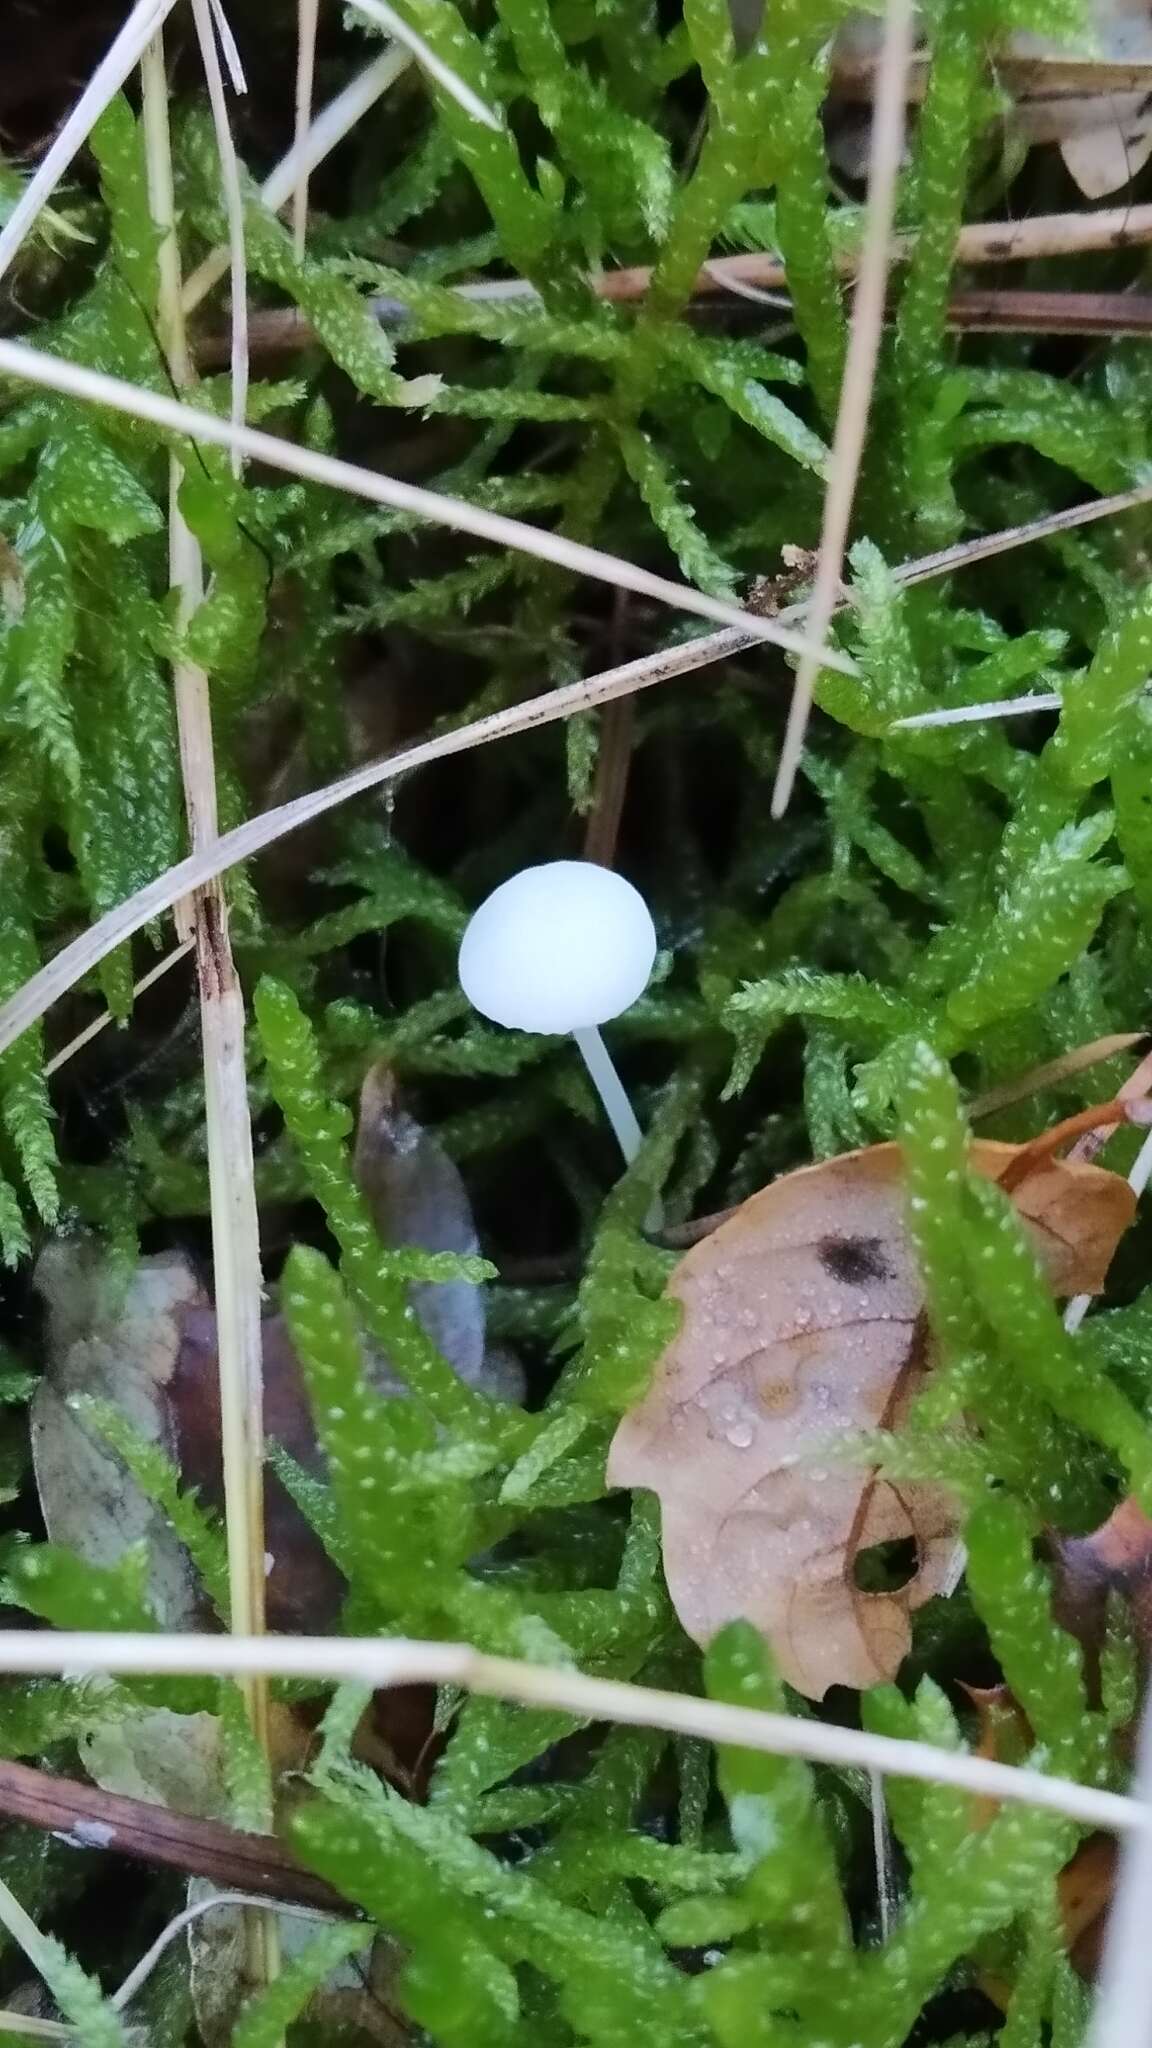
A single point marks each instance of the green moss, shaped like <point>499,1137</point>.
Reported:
<point>944,909</point>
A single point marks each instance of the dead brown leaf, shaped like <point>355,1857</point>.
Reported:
<point>804,1323</point>
<point>304,1590</point>
<point>1085,1888</point>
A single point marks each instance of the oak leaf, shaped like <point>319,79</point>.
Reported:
<point>803,1323</point>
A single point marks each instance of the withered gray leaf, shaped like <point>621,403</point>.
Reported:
<point>417,1197</point>
<point>115,1335</point>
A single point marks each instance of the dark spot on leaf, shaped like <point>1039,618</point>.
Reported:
<point>853,1260</point>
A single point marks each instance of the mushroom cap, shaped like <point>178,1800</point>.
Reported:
<point>558,948</point>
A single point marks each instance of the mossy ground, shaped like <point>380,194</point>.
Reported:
<point>940,910</point>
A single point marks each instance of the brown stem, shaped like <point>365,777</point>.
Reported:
<point>617,724</point>
<point>1094,1140</point>
<point>1087,1126</point>
<point>990,241</point>
<point>284,330</point>
<point>1053,1072</point>
<point>1110,313</point>
<point>681,1236</point>
<point>1031,77</point>
<point>90,1818</point>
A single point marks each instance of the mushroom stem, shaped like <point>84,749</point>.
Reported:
<point>610,1088</point>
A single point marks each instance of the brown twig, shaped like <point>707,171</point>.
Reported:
<point>617,725</point>
<point>91,1819</point>
<point>1110,313</point>
<point>1137,1085</point>
<point>681,1236</point>
<point>284,330</point>
<point>1099,1121</point>
<point>1053,1072</point>
<point>854,77</point>
<point>1062,117</point>
<point>859,375</point>
<point>988,241</point>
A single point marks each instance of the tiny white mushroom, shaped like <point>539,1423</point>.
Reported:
<point>564,947</point>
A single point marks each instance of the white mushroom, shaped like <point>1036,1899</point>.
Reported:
<point>564,947</point>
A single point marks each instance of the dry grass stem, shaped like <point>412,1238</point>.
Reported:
<point>162,204</point>
<point>387,18</point>
<point>397,1662</point>
<point>34,2029</point>
<point>887,1897</point>
<point>887,148</point>
<point>1122,2017</point>
<point>185,573</point>
<point>989,241</point>
<point>972,714</point>
<point>138,1976</point>
<point>228,47</point>
<point>965,554</point>
<point>204,919</point>
<point>52,373</point>
<point>307,14</point>
<point>101,1023</point>
<point>1054,1071</point>
<point>332,124</point>
<point>76,959</point>
<point>233,196</point>
<point>121,58</point>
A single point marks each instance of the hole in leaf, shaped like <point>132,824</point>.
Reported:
<point>886,1567</point>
